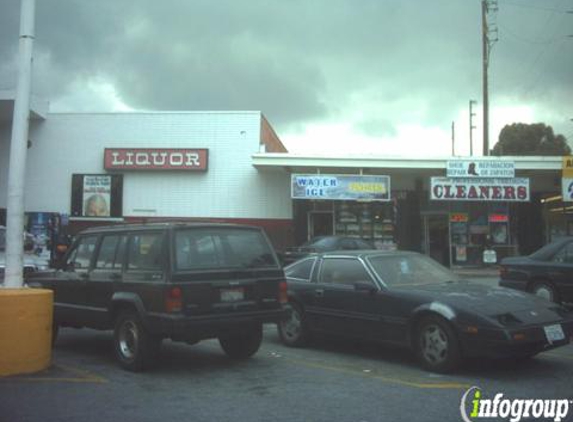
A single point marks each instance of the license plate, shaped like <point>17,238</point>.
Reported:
<point>232,295</point>
<point>554,333</point>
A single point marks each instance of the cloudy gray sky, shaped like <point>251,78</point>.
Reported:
<point>332,76</point>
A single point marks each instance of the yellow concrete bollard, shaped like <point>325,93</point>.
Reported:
<point>25,330</point>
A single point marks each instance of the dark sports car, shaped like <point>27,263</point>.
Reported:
<point>407,299</point>
<point>325,244</point>
<point>547,272</point>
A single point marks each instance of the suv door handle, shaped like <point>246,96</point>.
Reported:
<point>319,293</point>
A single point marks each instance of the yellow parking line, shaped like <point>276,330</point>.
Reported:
<point>399,381</point>
<point>83,377</point>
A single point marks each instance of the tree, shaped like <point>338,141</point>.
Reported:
<point>530,139</point>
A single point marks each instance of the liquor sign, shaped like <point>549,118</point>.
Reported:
<point>340,187</point>
<point>468,189</point>
<point>156,159</point>
<point>481,168</point>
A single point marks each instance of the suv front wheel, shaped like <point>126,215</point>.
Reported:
<point>242,344</point>
<point>135,348</point>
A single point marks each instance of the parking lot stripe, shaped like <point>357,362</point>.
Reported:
<point>83,376</point>
<point>392,380</point>
<point>559,354</point>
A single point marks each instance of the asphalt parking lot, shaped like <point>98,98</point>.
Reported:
<point>332,380</point>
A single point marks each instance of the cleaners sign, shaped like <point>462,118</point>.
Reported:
<point>470,189</point>
<point>340,187</point>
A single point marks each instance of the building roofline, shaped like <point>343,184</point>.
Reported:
<point>290,160</point>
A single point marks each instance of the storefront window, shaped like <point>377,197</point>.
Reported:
<point>372,221</point>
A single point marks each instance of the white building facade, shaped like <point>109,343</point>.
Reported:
<point>225,186</point>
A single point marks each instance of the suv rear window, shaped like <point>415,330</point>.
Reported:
<point>222,248</point>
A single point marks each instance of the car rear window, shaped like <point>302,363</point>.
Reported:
<point>222,248</point>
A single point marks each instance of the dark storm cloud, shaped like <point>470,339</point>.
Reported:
<point>298,61</point>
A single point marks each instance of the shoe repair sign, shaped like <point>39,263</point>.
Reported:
<point>481,168</point>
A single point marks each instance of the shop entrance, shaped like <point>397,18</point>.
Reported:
<point>320,223</point>
<point>437,238</point>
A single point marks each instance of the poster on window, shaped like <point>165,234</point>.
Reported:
<point>96,196</point>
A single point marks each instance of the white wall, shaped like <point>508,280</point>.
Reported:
<point>64,144</point>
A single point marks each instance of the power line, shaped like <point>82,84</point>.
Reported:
<point>528,6</point>
<point>504,30</point>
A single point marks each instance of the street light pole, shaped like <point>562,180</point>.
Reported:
<point>18,149</point>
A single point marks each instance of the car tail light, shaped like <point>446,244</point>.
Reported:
<point>283,295</point>
<point>174,300</point>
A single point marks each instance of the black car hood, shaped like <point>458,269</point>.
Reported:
<point>480,298</point>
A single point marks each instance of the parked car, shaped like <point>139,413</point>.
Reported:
<point>409,300</point>
<point>548,272</point>
<point>325,244</point>
<point>32,262</point>
<point>186,282</point>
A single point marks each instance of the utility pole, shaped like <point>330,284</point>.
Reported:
<point>472,127</point>
<point>18,149</point>
<point>453,138</point>
<point>487,6</point>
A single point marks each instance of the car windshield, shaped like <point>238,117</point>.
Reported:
<point>410,269</point>
<point>223,248</point>
<point>547,251</point>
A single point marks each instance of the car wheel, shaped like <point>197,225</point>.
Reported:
<point>135,348</point>
<point>293,331</point>
<point>545,290</point>
<point>243,344</point>
<point>437,346</point>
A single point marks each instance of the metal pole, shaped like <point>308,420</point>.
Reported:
<point>472,127</point>
<point>453,139</point>
<point>18,150</point>
<point>485,58</point>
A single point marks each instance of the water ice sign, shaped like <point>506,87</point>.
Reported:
<point>340,187</point>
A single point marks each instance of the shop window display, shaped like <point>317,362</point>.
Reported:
<point>370,221</point>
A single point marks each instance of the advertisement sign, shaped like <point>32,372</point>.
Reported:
<point>567,189</point>
<point>461,253</point>
<point>481,168</point>
<point>567,166</point>
<point>467,189</point>
<point>96,196</point>
<point>155,159</point>
<point>340,187</point>
<point>459,217</point>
